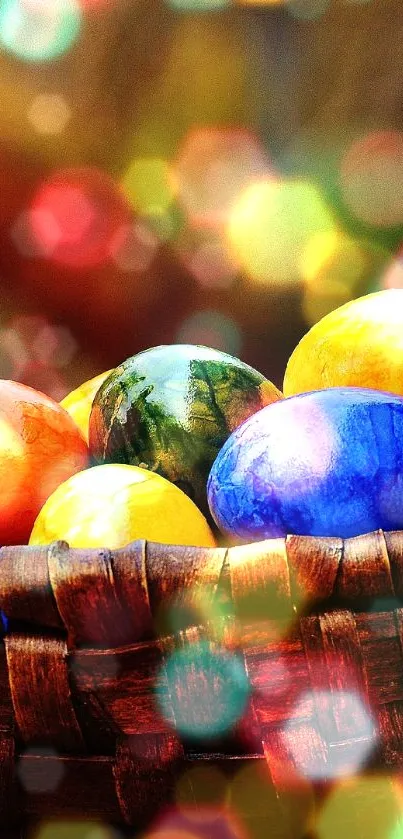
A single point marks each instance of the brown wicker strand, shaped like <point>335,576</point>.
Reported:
<point>93,655</point>
<point>101,595</point>
<point>115,597</point>
<point>40,692</point>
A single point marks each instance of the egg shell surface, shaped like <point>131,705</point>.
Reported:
<point>323,463</point>
<point>171,408</point>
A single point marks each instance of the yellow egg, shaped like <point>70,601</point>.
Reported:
<point>78,403</point>
<point>114,504</point>
<point>360,344</point>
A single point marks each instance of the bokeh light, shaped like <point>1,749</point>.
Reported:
<point>49,113</point>
<point>211,329</point>
<point>197,822</point>
<point>205,786</point>
<point>335,268</point>
<point>34,351</point>
<point>73,218</point>
<point>149,185</point>
<point>213,166</point>
<point>343,709</point>
<point>165,224</point>
<point>254,797</point>
<point>198,5</point>
<point>39,30</point>
<point>363,807</point>
<point>208,691</point>
<point>199,607</point>
<point>211,264</point>
<point>50,776</point>
<point>307,9</point>
<point>133,247</point>
<point>392,276</point>
<point>74,829</point>
<point>271,226</point>
<point>29,338</point>
<point>371,178</point>
<point>23,236</point>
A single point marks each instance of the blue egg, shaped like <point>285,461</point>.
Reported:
<point>324,463</point>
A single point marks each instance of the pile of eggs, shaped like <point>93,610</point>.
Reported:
<point>187,445</point>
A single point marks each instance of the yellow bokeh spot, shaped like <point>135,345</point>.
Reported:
<point>364,806</point>
<point>203,786</point>
<point>72,829</point>
<point>254,798</point>
<point>149,185</point>
<point>333,255</point>
<point>333,266</point>
<point>49,113</point>
<point>271,226</point>
<point>318,251</point>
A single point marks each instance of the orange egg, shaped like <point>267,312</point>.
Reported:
<point>40,447</point>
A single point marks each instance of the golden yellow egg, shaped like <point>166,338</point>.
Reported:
<point>359,344</point>
<point>114,504</point>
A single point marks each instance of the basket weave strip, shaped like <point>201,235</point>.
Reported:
<point>293,683</point>
<point>114,597</point>
<point>91,717</point>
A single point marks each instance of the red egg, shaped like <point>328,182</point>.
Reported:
<point>40,447</point>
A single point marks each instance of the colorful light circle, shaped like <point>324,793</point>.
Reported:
<point>198,5</point>
<point>39,30</point>
<point>133,247</point>
<point>149,185</point>
<point>307,9</point>
<point>74,217</point>
<point>213,166</point>
<point>211,329</point>
<point>211,265</point>
<point>371,178</point>
<point>208,691</point>
<point>49,113</point>
<point>365,806</point>
<point>204,784</point>
<point>270,228</point>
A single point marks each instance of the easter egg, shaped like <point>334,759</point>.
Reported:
<point>111,505</point>
<point>40,446</point>
<point>78,403</point>
<point>359,344</point>
<point>171,408</point>
<point>325,463</point>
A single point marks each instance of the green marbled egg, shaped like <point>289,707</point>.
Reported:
<point>172,408</point>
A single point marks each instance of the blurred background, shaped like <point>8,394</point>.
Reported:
<point>204,171</point>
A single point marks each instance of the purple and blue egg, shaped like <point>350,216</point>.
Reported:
<point>324,463</point>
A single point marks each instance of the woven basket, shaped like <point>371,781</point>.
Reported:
<point>91,703</point>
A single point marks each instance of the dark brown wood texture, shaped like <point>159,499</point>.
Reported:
<point>93,695</point>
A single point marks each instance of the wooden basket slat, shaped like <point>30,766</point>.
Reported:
<point>311,621</point>
<point>40,692</point>
<point>116,597</point>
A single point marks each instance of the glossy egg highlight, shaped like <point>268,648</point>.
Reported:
<point>324,463</point>
<point>171,408</point>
